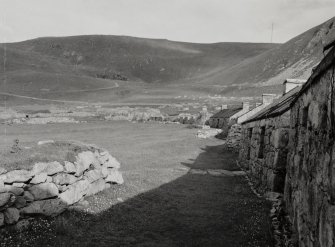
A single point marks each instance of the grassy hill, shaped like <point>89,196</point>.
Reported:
<point>49,67</point>
<point>154,70</point>
<point>293,59</point>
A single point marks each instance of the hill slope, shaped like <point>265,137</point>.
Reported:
<point>293,59</point>
<point>79,67</point>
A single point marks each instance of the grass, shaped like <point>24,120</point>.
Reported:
<point>160,204</point>
<point>26,158</point>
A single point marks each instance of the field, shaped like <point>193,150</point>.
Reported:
<point>161,202</point>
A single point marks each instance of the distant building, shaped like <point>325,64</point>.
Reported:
<point>221,119</point>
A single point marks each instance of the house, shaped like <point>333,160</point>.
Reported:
<point>221,119</point>
<point>264,139</point>
<point>310,180</point>
<point>266,100</point>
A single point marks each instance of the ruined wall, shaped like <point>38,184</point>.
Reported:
<point>49,188</point>
<point>263,151</point>
<point>310,181</point>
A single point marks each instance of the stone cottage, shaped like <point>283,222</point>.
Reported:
<point>221,119</point>
<point>310,180</point>
<point>267,99</point>
<point>263,147</point>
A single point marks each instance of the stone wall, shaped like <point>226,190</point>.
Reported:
<point>234,137</point>
<point>49,188</point>
<point>263,151</point>
<point>310,181</point>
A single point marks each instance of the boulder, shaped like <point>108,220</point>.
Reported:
<point>11,215</point>
<point>109,161</point>
<point>28,196</point>
<point>17,176</point>
<point>20,202</point>
<point>114,176</point>
<point>83,162</point>
<point>39,178</point>
<point>50,207</point>
<point>95,187</point>
<point>64,178</point>
<point>44,191</point>
<point>74,192</point>
<point>70,167</point>
<point>50,168</point>
<point>93,175</point>
<point>2,219</point>
<point>4,198</point>
<point>12,189</point>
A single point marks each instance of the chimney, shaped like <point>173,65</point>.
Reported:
<point>246,106</point>
<point>289,84</point>
<point>268,98</point>
<point>223,107</point>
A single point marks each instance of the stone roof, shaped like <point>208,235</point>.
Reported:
<point>226,113</point>
<point>278,107</point>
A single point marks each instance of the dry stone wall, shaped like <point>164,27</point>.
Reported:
<point>49,188</point>
<point>310,182</point>
<point>234,137</point>
<point>263,151</point>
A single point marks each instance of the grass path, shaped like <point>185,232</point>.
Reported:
<point>161,202</point>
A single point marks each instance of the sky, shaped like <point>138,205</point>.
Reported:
<point>201,21</point>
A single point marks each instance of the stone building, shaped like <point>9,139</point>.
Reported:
<point>263,147</point>
<point>267,99</point>
<point>310,180</point>
<point>221,118</point>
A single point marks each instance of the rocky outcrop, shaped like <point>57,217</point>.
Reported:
<point>49,188</point>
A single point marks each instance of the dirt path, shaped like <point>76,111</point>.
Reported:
<point>163,204</point>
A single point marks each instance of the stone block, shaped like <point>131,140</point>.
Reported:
<point>11,215</point>
<point>39,178</point>
<point>96,186</point>
<point>17,176</point>
<point>44,191</point>
<point>70,167</point>
<point>83,162</point>
<point>50,207</point>
<point>15,190</point>
<point>114,176</point>
<point>75,192</point>
<point>64,178</point>
<point>49,168</point>
<point>93,175</point>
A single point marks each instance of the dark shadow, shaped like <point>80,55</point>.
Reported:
<point>193,210</point>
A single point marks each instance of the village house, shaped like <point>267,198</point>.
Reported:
<point>289,147</point>
<point>263,147</point>
<point>221,119</point>
<point>310,180</point>
<point>267,99</point>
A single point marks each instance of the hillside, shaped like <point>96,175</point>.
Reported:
<point>46,67</point>
<point>127,69</point>
<point>293,59</point>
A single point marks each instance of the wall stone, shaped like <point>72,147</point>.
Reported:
<point>49,188</point>
<point>264,149</point>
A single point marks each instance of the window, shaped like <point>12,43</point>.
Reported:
<point>304,117</point>
<point>261,144</point>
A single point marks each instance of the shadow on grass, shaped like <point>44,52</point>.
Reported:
<point>193,210</point>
